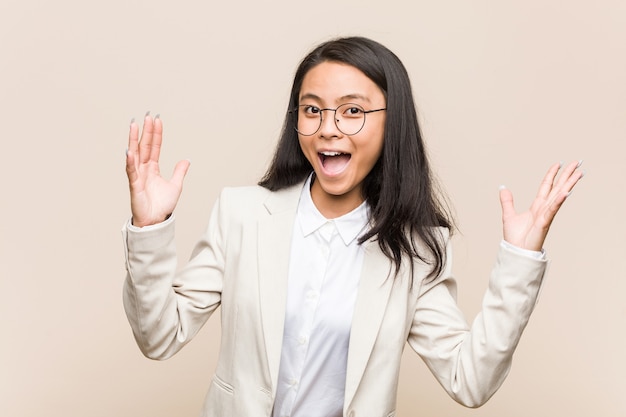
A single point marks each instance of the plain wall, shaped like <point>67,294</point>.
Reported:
<point>504,89</point>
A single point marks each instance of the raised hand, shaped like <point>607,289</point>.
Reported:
<point>529,229</point>
<point>152,198</point>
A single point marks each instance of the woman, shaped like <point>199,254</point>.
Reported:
<point>338,258</point>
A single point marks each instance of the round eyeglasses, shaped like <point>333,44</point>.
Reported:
<point>349,118</point>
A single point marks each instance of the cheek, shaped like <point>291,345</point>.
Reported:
<point>306,148</point>
<point>376,156</point>
<point>377,139</point>
<point>376,148</point>
<point>369,157</point>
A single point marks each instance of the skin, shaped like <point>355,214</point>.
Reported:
<point>528,230</point>
<point>329,85</point>
<point>153,198</point>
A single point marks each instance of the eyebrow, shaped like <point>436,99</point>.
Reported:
<point>341,99</point>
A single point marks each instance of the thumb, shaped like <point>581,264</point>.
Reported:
<point>180,170</point>
<point>506,201</point>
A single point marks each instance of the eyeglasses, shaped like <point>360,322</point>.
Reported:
<point>349,118</point>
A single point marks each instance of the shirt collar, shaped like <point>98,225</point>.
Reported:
<point>349,226</point>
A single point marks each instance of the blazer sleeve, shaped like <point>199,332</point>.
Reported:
<point>166,308</point>
<point>472,362</point>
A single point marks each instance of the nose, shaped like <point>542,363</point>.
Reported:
<point>328,127</point>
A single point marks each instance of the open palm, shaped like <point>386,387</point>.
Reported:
<point>528,230</point>
<point>152,198</point>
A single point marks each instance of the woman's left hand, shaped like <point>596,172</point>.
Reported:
<point>529,229</point>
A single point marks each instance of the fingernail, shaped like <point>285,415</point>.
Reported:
<point>132,121</point>
<point>560,164</point>
<point>158,116</point>
<point>126,152</point>
<point>147,113</point>
<point>568,194</point>
<point>579,163</point>
<point>502,187</point>
<point>583,173</point>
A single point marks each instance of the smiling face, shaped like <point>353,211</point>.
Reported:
<point>341,162</point>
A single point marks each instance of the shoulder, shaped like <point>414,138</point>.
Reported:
<point>248,194</point>
<point>431,261</point>
<point>250,199</point>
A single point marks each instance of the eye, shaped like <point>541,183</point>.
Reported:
<point>309,110</point>
<point>352,110</point>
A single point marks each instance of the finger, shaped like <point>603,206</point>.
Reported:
<point>563,192</point>
<point>573,180</point>
<point>157,139</point>
<point>566,189</point>
<point>180,170</point>
<point>506,201</point>
<point>548,181</point>
<point>145,143</point>
<point>567,180</point>
<point>133,137</point>
<point>131,151</point>
<point>553,208</point>
<point>567,173</point>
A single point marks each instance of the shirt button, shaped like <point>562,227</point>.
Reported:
<point>302,340</point>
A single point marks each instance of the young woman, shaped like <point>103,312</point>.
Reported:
<point>335,260</point>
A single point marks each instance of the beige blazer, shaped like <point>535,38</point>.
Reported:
<point>241,264</point>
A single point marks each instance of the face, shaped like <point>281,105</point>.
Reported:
<point>341,162</point>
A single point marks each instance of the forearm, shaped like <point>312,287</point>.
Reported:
<point>148,293</point>
<point>165,308</point>
<point>471,363</point>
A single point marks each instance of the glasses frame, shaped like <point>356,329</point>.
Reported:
<point>322,110</point>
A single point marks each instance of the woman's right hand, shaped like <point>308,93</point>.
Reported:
<point>152,198</point>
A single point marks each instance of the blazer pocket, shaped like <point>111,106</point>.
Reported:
<point>222,385</point>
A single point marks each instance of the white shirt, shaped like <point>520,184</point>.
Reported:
<point>324,270</point>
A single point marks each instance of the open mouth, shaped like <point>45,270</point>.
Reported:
<point>334,162</point>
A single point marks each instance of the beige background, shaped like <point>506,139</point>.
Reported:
<point>504,89</point>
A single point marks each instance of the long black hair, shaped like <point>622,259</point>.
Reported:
<point>405,204</point>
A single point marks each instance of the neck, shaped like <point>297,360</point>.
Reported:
<point>332,206</point>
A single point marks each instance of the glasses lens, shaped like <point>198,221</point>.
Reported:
<point>309,119</point>
<point>350,118</point>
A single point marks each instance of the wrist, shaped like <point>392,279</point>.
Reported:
<point>140,223</point>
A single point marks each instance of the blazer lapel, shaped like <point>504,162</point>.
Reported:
<point>372,298</point>
<point>274,248</point>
